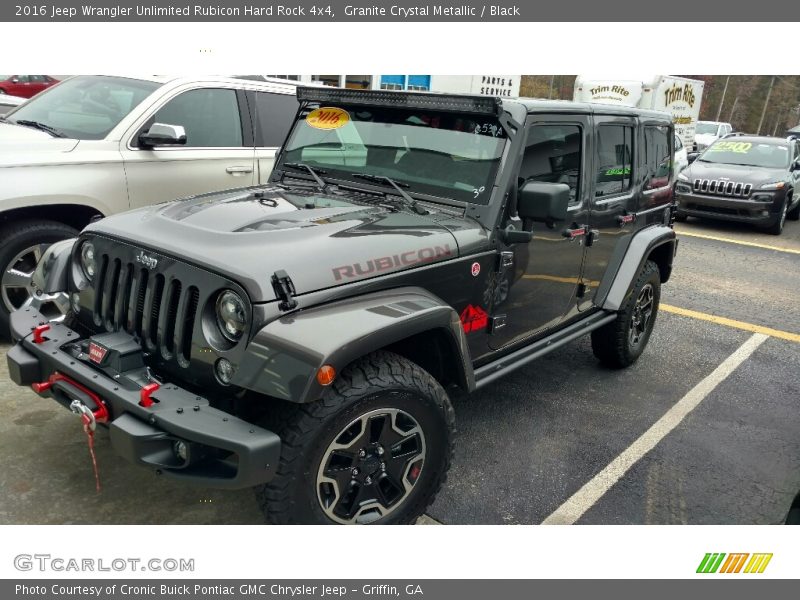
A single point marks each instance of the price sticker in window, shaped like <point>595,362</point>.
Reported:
<point>328,118</point>
<point>735,147</point>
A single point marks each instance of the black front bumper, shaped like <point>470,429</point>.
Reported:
<point>763,212</point>
<point>222,451</point>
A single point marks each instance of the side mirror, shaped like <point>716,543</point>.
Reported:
<point>692,156</point>
<point>795,165</point>
<point>162,134</point>
<point>543,202</point>
<point>15,80</point>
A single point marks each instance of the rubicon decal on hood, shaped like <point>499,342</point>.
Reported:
<point>386,263</point>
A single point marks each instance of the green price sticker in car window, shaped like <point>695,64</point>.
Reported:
<point>618,171</point>
<point>737,147</point>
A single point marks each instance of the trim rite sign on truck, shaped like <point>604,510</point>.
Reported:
<point>678,96</point>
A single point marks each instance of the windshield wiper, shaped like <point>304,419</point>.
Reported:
<point>409,201</point>
<point>39,126</point>
<point>315,173</point>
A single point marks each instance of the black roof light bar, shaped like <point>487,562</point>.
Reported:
<point>481,105</point>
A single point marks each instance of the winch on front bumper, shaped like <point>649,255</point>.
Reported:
<point>158,425</point>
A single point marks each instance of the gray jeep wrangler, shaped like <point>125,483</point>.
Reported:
<point>306,337</point>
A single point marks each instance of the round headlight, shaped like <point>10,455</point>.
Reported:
<point>88,260</point>
<point>231,315</point>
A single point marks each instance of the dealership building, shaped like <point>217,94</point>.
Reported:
<point>489,85</point>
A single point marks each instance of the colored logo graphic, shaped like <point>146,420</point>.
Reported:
<point>328,118</point>
<point>719,562</point>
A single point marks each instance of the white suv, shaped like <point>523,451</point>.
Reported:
<point>92,146</point>
<point>708,132</point>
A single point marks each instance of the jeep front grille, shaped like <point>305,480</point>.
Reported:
<point>733,189</point>
<point>160,312</point>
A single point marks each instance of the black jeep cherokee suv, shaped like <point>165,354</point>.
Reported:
<point>306,336</point>
<point>743,178</point>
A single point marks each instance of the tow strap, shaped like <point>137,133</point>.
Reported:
<point>89,426</point>
<point>60,383</point>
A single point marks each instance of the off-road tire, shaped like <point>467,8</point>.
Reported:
<point>377,381</point>
<point>17,236</point>
<point>611,343</point>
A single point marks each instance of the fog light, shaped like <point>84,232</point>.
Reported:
<point>764,213</point>
<point>224,370</point>
<point>75,301</point>
<point>181,450</point>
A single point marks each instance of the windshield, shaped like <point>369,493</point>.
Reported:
<point>711,128</point>
<point>750,154</point>
<point>441,154</point>
<point>86,107</point>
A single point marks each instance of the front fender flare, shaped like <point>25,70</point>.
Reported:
<point>52,273</point>
<point>283,358</point>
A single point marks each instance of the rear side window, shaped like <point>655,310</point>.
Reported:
<point>274,116</point>
<point>210,116</point>
<point>614,159</point>
<point>657,157</point>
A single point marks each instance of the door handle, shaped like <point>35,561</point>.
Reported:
<point>239,170</point>
<point>574,233</point>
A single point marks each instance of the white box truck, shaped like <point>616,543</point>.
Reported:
<point>678,96</point>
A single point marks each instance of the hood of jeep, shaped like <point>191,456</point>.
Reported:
<point>320,240</point>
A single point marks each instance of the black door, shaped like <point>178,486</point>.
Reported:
<point>613,196</point>
<point>540,290</point>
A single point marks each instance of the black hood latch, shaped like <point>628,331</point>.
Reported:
<point>284,290</point>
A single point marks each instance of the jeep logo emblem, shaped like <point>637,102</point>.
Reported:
<point>147,261</point>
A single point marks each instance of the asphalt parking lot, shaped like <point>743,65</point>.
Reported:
<point>684,436</point>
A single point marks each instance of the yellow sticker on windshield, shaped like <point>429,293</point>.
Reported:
<point>328,118</point>
<point>737,147</point>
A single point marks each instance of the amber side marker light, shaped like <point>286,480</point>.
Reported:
<point>326,375</point>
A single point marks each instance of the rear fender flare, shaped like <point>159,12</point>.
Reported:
<point>639,250</point>
<point>283,358</point>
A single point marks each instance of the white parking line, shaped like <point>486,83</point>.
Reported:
<point>574,508</point>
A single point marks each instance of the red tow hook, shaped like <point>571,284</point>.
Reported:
<point>144,395</point>
<point>38,338</point>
